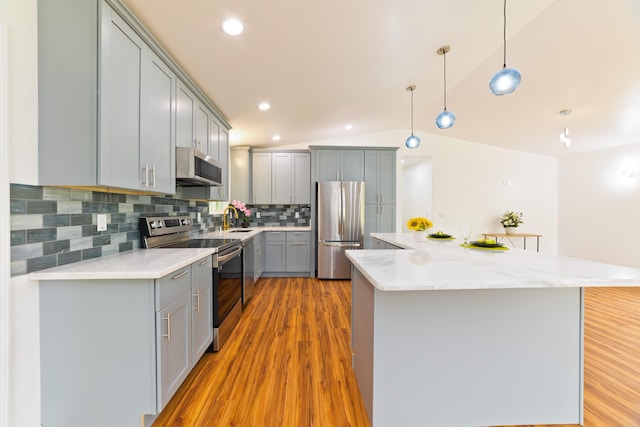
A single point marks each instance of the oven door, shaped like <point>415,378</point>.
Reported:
<point>227,284</point>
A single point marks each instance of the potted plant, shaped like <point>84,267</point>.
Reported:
<point>419,225</point>
<point>510,221</point>
<point>244,213</point>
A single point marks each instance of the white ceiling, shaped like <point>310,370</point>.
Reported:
<point>323,64</point>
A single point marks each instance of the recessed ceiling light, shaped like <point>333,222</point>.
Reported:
<point>348,127</point>
<point>276,137</point>
<point>264,106</point>
<point>232,26</point>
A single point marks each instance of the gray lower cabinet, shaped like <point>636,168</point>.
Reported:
<point>287,253</point>
<point>258,256</point>
<point>379,244</point>
<point>202,307</point>
<point>113,351</point>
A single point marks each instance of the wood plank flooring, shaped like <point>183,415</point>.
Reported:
<point>288,362</point>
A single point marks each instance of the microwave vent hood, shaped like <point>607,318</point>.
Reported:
<point>196,169</point>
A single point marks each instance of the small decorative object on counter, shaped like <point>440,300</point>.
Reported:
<point>419,225</point>
<point>510,221</point>
<point>244,213</point>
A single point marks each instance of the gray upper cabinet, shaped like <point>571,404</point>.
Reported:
<point>202,129</point>
<point>261,178</point>
<point>240,176</point>
<point>339,165</point>
<point>281,177</point>
<point>185,117</point>
<point>107,98</point>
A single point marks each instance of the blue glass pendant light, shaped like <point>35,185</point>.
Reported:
<point>445,119</point>
<point>505,80</point>
<point>412,141</point>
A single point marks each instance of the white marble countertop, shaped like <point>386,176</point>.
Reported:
<point>144,263</point>
<point>444,265</point>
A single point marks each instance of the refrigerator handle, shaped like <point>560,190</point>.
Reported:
<point>341,222</point>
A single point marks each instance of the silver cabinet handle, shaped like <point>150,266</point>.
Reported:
<point>177,276</point>
<point>153,175</point>
<point>197,297</point>
<point>205,261</point>
<point>145,176</point>
<point>168,334</point>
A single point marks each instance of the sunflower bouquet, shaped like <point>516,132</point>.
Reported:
<point>419,224</point>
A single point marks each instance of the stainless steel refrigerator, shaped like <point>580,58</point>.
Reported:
<point>340,223</point>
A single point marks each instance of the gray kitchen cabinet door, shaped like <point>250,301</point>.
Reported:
<point>258,256</point>
<point>261,178</point>
<point>120,105</point>
<point>281,178</point>
<point>378,219</point>
<point>173,324</point>
<point>214,149</point>
<point>275,251</point>
<point>157,121</point>
<point>202,129</point>
<point>185,117</point>
<point>298,251</point>
<point>327,165</point>
<point>339,165</point>
<point>223,159</point>
<point>380,176</point>
<point>301,178</point>
<point>352,165</point>
<point>202,307</point>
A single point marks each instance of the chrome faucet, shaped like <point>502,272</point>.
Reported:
<point>225,223</point>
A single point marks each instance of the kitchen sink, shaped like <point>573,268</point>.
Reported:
<point>244,230</point>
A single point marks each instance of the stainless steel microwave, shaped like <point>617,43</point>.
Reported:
<point>196,169</point>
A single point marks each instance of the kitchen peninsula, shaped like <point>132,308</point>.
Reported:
<point>443,335</point>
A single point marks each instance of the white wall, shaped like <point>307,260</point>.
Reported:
<point>20,18</point>
<point>475,184</point>
<point>600,206</point>
<point>417,184</point>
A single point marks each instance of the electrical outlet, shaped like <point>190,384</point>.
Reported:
<point>297,215</point>
<point>257,215</point>
<point>102,222</point>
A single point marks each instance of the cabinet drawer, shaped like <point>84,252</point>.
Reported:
<point>201,270</point>
<point>276,236</point>
<point>172,286</point>
<point>298,236</point>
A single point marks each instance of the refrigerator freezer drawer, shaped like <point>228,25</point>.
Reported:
<point>332,262</point>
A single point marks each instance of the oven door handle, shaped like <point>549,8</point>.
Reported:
<point>224,258</point>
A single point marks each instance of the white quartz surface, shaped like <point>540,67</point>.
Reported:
<point>444,265</point>
<point>144,263</point>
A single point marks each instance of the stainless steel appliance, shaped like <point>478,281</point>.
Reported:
<point>173,232</point>
<point>196,169</point>
<point>340,222</point>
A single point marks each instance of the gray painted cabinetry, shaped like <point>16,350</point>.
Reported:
<point>287,253</point>
<point>380,193</point>
<point>258,256</point>
<point>115,350</point>
<point>107,99</point>
<point>281,177</point>
<point>339,164</point>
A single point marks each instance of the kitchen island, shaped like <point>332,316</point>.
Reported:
<point>448,336</point>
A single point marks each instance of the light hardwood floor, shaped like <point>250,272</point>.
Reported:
<point>288,362</point>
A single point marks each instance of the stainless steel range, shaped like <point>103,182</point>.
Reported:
<point>173,232</point>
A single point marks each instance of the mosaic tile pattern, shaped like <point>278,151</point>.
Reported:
<point>52,226</point>
<point>280,215</point>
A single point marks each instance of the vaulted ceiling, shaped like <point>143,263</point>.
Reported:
<point>324,64</point>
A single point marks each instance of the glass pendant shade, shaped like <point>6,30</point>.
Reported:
<point>445,120</point>
<point>412,142</point>
<point>504,81</point>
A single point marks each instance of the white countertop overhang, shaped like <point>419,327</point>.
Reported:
<point>444,265</point>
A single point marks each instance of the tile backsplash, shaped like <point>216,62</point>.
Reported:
<point>53,226</point>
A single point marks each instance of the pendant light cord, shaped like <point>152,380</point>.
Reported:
<point>445,80</point>
<point>411,111</point>
<point>504,35</point>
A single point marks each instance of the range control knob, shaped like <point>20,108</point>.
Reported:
<point>153,224</point>
<point>186,221</point>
